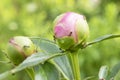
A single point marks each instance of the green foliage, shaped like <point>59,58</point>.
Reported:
<point>46,72</point>
<point>103,72</point>
<point>109,74</point>
<point>15,56</point>
<point>102,15</point>
<point>61,63</point>
<point>44,67</point>
<point>114,71</point>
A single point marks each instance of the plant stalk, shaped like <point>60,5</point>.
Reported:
<point>75,65</point>
<point>30,72</point>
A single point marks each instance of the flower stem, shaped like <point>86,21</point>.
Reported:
<point>30,72</point>
<point>75,65</point>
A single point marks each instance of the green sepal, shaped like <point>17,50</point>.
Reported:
<point>65,42</point>
<point>15,56</point>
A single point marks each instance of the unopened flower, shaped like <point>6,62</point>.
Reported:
<point>19,48</point>
<point>70,29</point>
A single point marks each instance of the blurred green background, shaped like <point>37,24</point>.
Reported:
<point>35,18</point>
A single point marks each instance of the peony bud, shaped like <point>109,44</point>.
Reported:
<point>19,48</point>
<point>70,29</point>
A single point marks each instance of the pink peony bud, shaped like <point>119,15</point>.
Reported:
<point>71,25</point>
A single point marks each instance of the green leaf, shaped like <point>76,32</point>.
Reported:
<point>35,59</point>
<point>39,73</point>
<point>4,75</point>
<point>30,72</point>
<point>114,71</point>
<point>102,38</point>
<point>91,78</point>
<point>117,77</point>
<point>103,72</point>
<point>31,61</point>
<point>49,47</point>
<point>61,63</point>
<point>46,45</point>
<point>46,72</point>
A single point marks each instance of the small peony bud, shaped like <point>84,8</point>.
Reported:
<point>70,29</point>
<point>19,48</point>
